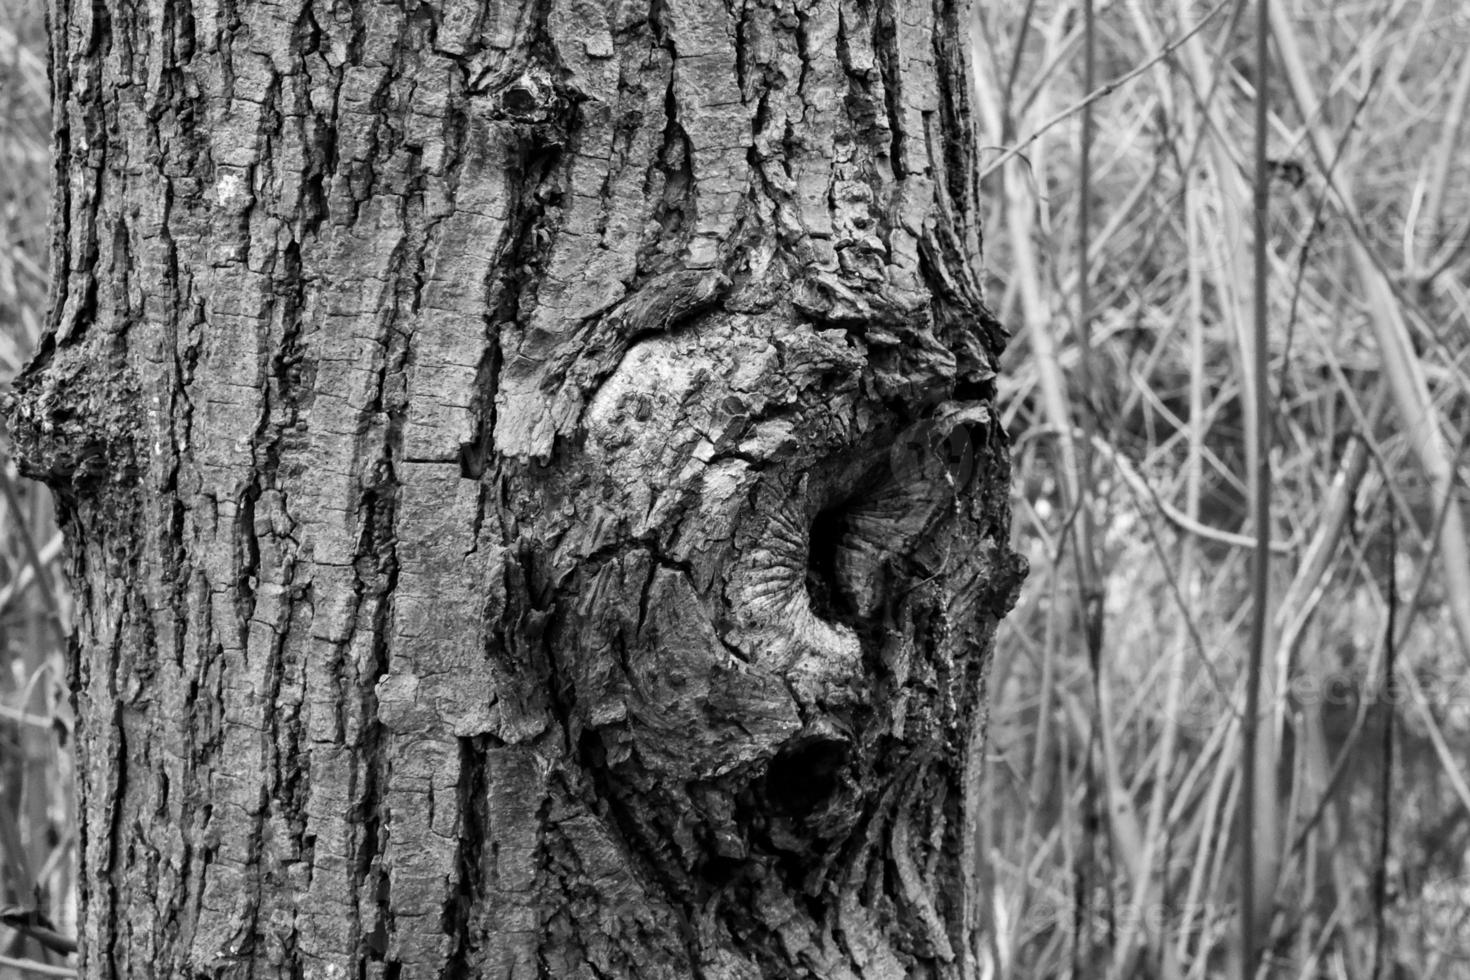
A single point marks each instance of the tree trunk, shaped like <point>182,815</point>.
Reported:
<point>531,484</point>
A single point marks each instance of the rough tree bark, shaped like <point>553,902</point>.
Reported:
<point>531,481</point>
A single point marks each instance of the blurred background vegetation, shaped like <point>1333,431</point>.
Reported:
<point>1111,832</point>
<point>37,825</point>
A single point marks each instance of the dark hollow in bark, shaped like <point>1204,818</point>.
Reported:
<point>532,485</point>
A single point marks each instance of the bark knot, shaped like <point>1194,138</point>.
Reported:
<point>68,428</point>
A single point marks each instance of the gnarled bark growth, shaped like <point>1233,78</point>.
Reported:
<point>532,485</point>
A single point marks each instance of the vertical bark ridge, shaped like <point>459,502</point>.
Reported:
<point>531,484</point>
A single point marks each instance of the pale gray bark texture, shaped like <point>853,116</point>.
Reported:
<point>532,485</point>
